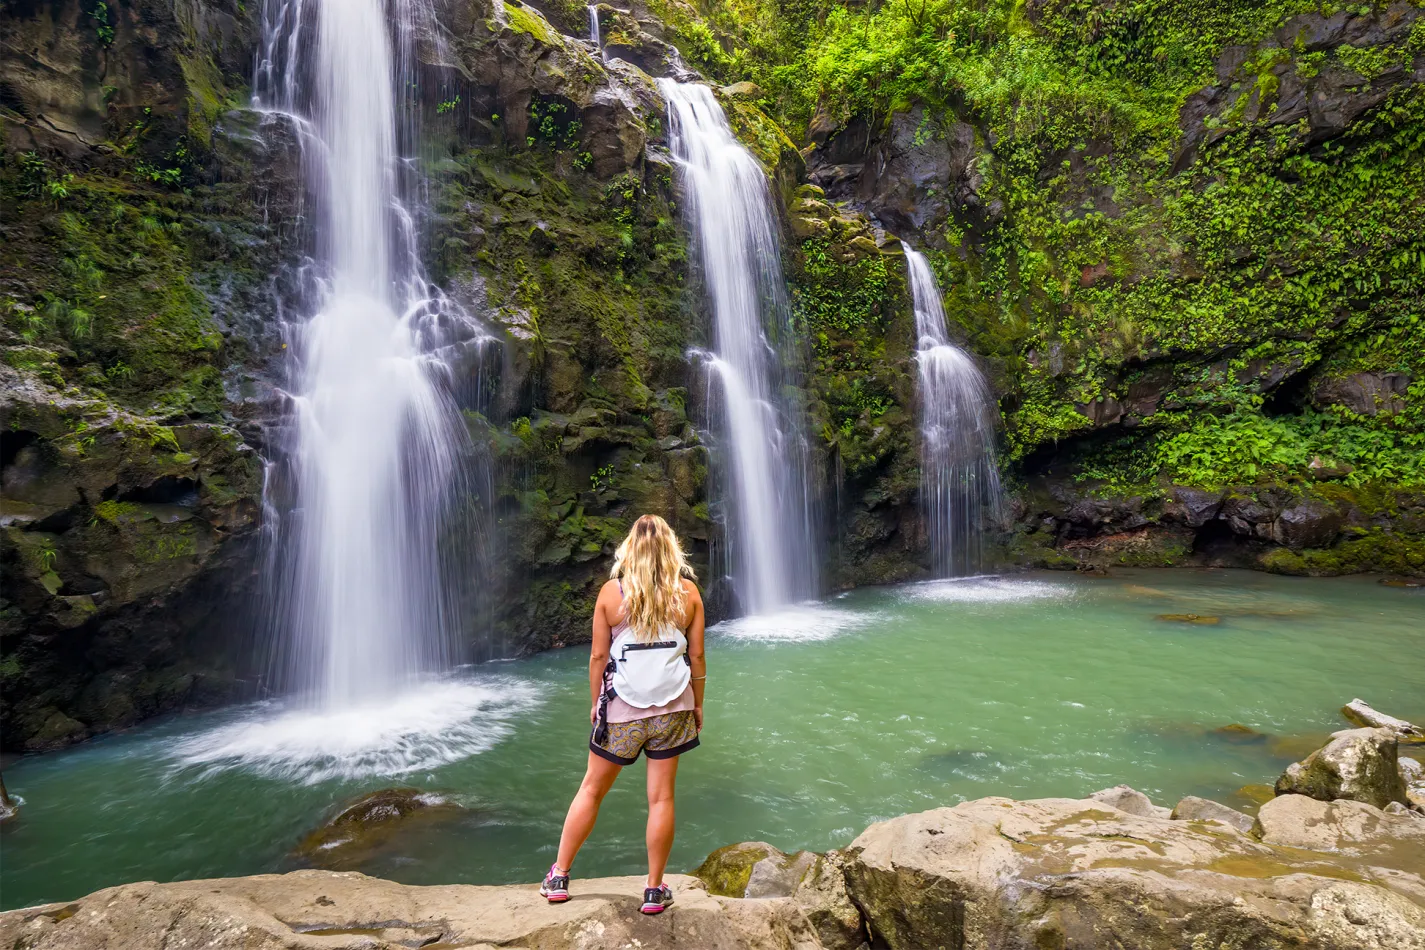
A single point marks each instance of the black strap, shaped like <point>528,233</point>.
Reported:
<point>601,726</point>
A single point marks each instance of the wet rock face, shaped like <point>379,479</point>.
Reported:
<point>1357,764</point>
<point>910,180</point>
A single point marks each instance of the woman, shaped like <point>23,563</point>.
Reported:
<point>646,677</point>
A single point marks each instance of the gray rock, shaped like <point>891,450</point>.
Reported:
<point>1360,713</point>
<point>355,912</point>
<point>1357,764</point>
<point>824,899</point>
<point>753,869</point>
<point>1130,800</point>
<point>1365,394</point>
<point>1193,808</point>
<point>995,873</point>
<point>1362,832</point>
<point>1310,523</point>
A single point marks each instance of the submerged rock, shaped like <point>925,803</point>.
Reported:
<point>1130,800</point>
<point>1193,808</point>
<point>1357,764</point>
<point>369,824</point>
<point>1238,734</point>
<point>1201,619</point>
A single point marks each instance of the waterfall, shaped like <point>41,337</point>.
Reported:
<point>959,478</point>
<point>594,36</point>
<point>765,502</point>
<point>373,463</point>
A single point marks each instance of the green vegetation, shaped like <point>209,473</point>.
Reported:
<point>106,285</point>
<point>1223,247</point>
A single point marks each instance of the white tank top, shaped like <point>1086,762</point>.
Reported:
<point>650,674</point>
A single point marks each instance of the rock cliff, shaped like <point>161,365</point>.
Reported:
<point>1189,371</point>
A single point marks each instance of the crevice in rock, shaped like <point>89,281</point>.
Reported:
<point>11,444</point>
<point>168,490</point>
<point>1290,396</point>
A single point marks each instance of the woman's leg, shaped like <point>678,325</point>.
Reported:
<point>662,773</point>
<point>584,809</point>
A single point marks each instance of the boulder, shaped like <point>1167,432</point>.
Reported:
<point>368,824</point>
<point>1357,764</point>
<point>1360,713</point>
<point>1130,800</point>
<point>1061,873</point>
<point>1363,832</point>
<point>753,869</point>
<point>1310,523</point>
<point>824,899</point>
<point>1193,808</point>
<point>311,910</point>
<point>1365,394</point>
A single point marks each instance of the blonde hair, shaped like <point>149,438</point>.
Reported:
<point>650,566</point>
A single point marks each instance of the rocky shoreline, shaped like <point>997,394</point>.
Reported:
<point>1321,865</point>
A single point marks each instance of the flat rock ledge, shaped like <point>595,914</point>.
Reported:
<point>992,874</point>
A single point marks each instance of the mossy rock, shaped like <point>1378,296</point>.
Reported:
<point>369,825</point>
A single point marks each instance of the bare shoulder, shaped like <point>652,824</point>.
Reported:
<point>609,593</point>
<point>690,590</point>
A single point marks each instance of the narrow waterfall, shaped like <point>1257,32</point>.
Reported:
<point>758,442</point>
<point>374,457</point>
<point>594,36</point>
<point>959,479</point>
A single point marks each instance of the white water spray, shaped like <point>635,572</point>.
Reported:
<point>758,437</point>
<point>959,479</point>
<point>377,449</point>
<point>594,36</point>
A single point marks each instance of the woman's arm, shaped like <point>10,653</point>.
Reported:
<point>602,643</point>
<point>696,659</point>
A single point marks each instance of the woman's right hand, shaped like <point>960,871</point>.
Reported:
<point>594,714</point>
<point>698,716</point>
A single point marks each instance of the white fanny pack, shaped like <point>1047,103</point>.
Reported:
<point>650,673</point>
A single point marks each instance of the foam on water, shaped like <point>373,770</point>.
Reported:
<point>432,725</point>
<point>799,622</point>
<point>985,590</point>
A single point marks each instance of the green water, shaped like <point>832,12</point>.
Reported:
<point>876,703</point>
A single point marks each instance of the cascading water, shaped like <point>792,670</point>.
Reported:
<point>757,437</point>
<point>594,36</point>
<point>374,462</point>
<point>960,486</point>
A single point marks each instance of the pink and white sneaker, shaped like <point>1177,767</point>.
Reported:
<point>656,899</point>
<point>555,888</point>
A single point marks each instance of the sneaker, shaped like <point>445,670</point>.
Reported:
<point>555,888</point>
<point>656,898</point>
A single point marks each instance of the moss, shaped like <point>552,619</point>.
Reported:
<point>521,20</point>
<point>1377,550</point>
<point>727,870</point>
<point>117,512</point>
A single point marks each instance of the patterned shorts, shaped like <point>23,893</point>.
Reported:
<point>660,737</point>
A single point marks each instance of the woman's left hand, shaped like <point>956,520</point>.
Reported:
<point>594,714</point>
<point>698,715</point>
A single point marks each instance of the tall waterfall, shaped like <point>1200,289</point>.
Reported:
<point>377,450</point>
<point>758,442</point>
<point>594,36</point>
<point>959,478</point>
